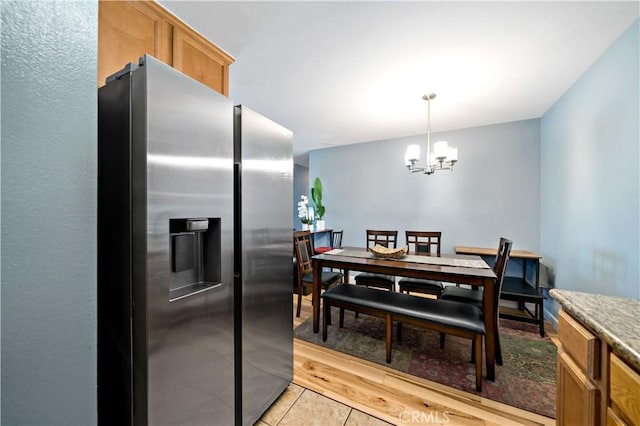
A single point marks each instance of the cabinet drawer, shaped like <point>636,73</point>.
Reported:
<point>624,390</point>
<point>578,342</point>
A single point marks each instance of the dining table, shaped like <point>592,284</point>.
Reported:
<point>460,269</point>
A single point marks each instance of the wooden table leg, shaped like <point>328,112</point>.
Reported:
<point>491,325</point>
<point>325,316</point>
<point>315,295</point>
<point>346,276</point>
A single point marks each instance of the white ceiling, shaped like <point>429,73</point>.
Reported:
<point>339,72</point>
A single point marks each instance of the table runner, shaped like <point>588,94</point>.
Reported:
<point>443,261</point>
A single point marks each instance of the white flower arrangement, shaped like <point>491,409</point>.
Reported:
<point>303,210</point>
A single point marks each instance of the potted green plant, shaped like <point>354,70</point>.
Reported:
<point>316,195</point>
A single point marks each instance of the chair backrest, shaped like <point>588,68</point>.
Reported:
<point>336,239</point>
<point>303,245</point>
<point>384,238</point>
<point>500,264</point>
<point>426,243</point>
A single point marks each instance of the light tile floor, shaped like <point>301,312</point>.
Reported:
<point>299,406</point>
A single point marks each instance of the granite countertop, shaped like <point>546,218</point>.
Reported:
<point>615,320</point>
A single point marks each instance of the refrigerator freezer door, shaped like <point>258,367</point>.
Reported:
<point>263,150</point>
<point>188,174</point>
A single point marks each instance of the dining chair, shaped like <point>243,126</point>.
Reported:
<point>336,239</point>
<point>422,243</point>
<point>303,243</point>
<point>386,239</point>
<point>469,295</point>
<point>475,297</point>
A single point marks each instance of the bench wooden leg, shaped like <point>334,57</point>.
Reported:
<point>325,316</point>
<point>477,346</point>
<point>498,350</point>
<point>389,330</point>
<point>341,317</point>
<point>540,312</point>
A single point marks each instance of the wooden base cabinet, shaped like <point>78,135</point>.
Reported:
<point>579,401</point>
<point>595,386</point>
<point>624,391</point>
<point>129,29</point>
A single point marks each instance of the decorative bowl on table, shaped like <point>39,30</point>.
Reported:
<point>389,253</point>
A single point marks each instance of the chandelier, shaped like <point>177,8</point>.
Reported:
<point>443,157</point>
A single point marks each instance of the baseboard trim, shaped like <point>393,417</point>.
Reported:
<point>551,319</point>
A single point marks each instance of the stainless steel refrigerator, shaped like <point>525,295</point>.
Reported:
<point>194,253</point>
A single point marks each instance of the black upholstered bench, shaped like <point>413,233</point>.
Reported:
<point>444,316</point>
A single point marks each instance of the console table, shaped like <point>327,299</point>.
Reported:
<point>324,235</point>
<point>519,289</point>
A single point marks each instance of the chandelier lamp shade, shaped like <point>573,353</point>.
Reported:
<point>442,157</point>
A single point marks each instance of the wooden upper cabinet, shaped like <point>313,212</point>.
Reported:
<point>129,29</point>
<point>126,31</point>
<point>200,61</point>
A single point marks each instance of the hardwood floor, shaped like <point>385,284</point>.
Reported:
<point>390,395</point>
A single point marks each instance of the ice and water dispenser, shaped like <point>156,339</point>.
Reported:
<point>195,256</point>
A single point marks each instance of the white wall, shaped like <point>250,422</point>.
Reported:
<point>590,179</point>
<point>49,141</point>
<point>493,191</point>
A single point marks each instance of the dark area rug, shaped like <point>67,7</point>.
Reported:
<point>527,379</point>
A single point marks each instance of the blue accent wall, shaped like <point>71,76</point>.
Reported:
<point>49,208</point>
<point>590,181</point>
<point>493,191</point>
